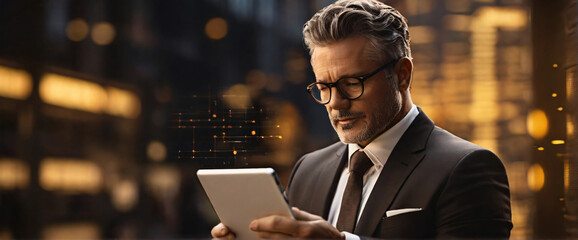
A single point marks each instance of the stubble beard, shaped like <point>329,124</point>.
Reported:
<point>390,108</point>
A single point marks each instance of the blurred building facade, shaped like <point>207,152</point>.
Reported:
<point>107,108</point>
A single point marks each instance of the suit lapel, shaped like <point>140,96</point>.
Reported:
<point>404,158</point>
<point>327,182</point>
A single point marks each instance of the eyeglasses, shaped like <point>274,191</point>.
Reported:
<point>349,87</point>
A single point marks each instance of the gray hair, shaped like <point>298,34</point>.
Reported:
<point>382,25</point>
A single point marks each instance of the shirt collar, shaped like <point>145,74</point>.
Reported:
<point>381,147</point>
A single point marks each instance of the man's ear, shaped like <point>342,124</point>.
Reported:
<point>403,70</point>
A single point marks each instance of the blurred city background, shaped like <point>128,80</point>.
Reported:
<point>108,108</point>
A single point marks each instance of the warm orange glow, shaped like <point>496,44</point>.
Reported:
<point>77,30</point>
<point>237,96</point>
<point>103,33</point>
<point>457,22</point>
<point>253,133</point>
<point>14,174</point>
<point>536,177</point>
<point>502,17</point>
<point>558,142</point>
<point>570,75</point>
<point>123,103</point>
<point>216,28</point>
<point>76,230</point>
<point>234,152</point>
<point>537,124</point>
<point>70,175</point>
<point>569,126</point>
<point>72,93</point>
<point>540,148</point>
<point>567,170</point>
<point>79,94</point>
<point>124,195</point>
<point>554,95</point>
<point>416,7</point>
<point>422,34</point>
<point>15,83</point>
<point>458,5</point>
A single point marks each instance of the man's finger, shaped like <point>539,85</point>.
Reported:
<point>304,216</point>
<point>221,231</point>
<point>275,224</point>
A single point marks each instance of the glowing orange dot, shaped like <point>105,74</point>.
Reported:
<point>253,133</point>
<point>214,115</point>
<point>216,28</point>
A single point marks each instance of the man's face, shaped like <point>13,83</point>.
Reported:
<point>360,120</point>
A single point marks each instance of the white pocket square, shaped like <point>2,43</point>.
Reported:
<point>392,213</point>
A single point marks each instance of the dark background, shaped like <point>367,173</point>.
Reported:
<point>219,84</point>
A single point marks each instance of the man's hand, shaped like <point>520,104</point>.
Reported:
<point>306,225</point>
<point>221,231</point>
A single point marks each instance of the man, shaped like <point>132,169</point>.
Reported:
<point>419,181</point>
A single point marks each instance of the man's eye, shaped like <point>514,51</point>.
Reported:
<point>350,82</point>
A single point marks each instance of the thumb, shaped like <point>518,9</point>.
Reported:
<point>304,216</point>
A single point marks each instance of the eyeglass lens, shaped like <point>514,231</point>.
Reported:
<point>349,88</point>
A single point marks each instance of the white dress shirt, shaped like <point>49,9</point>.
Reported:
<point>378,152</point>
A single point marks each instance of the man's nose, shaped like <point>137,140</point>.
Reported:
<point>337,100</point>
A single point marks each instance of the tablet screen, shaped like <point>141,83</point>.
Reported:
<point>240,196</point>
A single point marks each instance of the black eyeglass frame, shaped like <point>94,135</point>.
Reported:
<point>336,84</point>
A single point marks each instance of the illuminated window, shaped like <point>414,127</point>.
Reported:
<point>87,96</point>
<point>15,83</point>
<point>14,174</point>
<point>70,175</point>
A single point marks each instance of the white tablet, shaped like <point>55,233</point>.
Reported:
<point>240,196</point>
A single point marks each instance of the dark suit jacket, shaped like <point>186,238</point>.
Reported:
<point>462,188</point>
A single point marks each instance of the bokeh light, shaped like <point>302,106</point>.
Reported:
<point>15,83</point>
<point>216,28</point>
<point>537,124</point>
<point>103,33</point>
<point>77,30</point>
<point>536,177</point>
<point>156,151</point>
<point>238,96</point>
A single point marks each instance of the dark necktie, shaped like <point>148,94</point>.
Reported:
<point>359,164</point>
